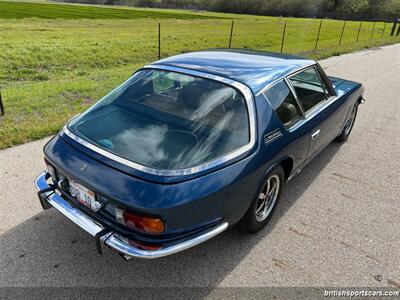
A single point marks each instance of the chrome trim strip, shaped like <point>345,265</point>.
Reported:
<point>327,95</point>
<point>326,78</point>
<point>67,210</point>
<point>116,243</point>
<point>313,112</point>
<point>315,64</point>
<point>291,88</point>
<point>111,239</point>
<point>248,96</point>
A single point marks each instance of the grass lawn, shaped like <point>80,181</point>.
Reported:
<point>22,10</point>
<point>57,59</point>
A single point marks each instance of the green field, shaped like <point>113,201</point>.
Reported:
<point>56,60</point>
<point>23,10</point>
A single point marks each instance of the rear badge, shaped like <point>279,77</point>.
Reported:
<point>83,167</point>
<point>269,137</point>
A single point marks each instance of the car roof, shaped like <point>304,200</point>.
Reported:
<point>256,69</point>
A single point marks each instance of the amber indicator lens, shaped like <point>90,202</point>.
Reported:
<point>148,225</point>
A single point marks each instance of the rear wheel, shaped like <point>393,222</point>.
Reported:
<point>349,125</point>
<point>265,202</point>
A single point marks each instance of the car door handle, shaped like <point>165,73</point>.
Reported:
<point>315,134</point>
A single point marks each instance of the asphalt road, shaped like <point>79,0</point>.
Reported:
<point>338,223</point>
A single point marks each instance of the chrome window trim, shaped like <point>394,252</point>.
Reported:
<point>320,71</point>
<point>327,94</point>
<point>284,79</point>
<point>269,85</point>
<point>295,97</point>
<point>323,80</point>
<point>315,64</point>
<point>312,112</point>
<point>306,113</point>
<point>325,77</point>
<point>248,97</point>
<point>317,108</point>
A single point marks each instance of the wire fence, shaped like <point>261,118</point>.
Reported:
<point>282,36</point>
<point>145,42</point>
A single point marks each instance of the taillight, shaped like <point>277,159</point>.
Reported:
<point>139,245</point>
<point>51,169</point>
<point>148,225</point>
<point>144,247</point>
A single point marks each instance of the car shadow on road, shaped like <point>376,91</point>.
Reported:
<point>49,250</point>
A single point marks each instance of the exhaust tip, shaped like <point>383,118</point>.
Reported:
<point>125,256</point>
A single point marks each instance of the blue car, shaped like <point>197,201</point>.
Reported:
<point>191,145</point>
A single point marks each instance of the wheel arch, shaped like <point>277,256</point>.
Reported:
<point>286,163</point>
<point>287,166</point>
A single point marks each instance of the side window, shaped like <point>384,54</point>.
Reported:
<point>308,88</point>
<point>284,103</point>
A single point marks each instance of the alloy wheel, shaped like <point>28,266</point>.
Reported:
<point>267,198</point>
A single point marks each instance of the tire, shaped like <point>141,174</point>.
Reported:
<point>349,125</point>
<point>258,216</point>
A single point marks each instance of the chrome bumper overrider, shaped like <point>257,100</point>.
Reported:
<point>110,238</point>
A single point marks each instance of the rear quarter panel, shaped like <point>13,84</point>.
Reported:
<point>348,93</point>
<point>225,193</point>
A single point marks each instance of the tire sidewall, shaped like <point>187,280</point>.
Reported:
<point>250,222</point>
<point>343,136</point>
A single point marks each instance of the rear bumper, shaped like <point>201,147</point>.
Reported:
<point>51,197</point>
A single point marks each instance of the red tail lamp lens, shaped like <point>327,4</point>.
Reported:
<point>144,247</point>
<point>139,245</point>
<point>144,224</point>
<point>51,169</point>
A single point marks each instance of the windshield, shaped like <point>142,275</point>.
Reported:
<point>167,120</point>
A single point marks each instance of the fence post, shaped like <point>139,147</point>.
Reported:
<point>373,30</point>
<point>319,31</point>
<point>230,36</point>
<point>1,106</point>
<point>359,29</point>
<point>159,41</point>
<point>283,35</point>
<point>341,35</point>
<point>383,30</point>
<point>394,25</point>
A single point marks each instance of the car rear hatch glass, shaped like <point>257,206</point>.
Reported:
<point>167,120</point>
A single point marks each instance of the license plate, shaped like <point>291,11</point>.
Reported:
<point>82,194</point>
